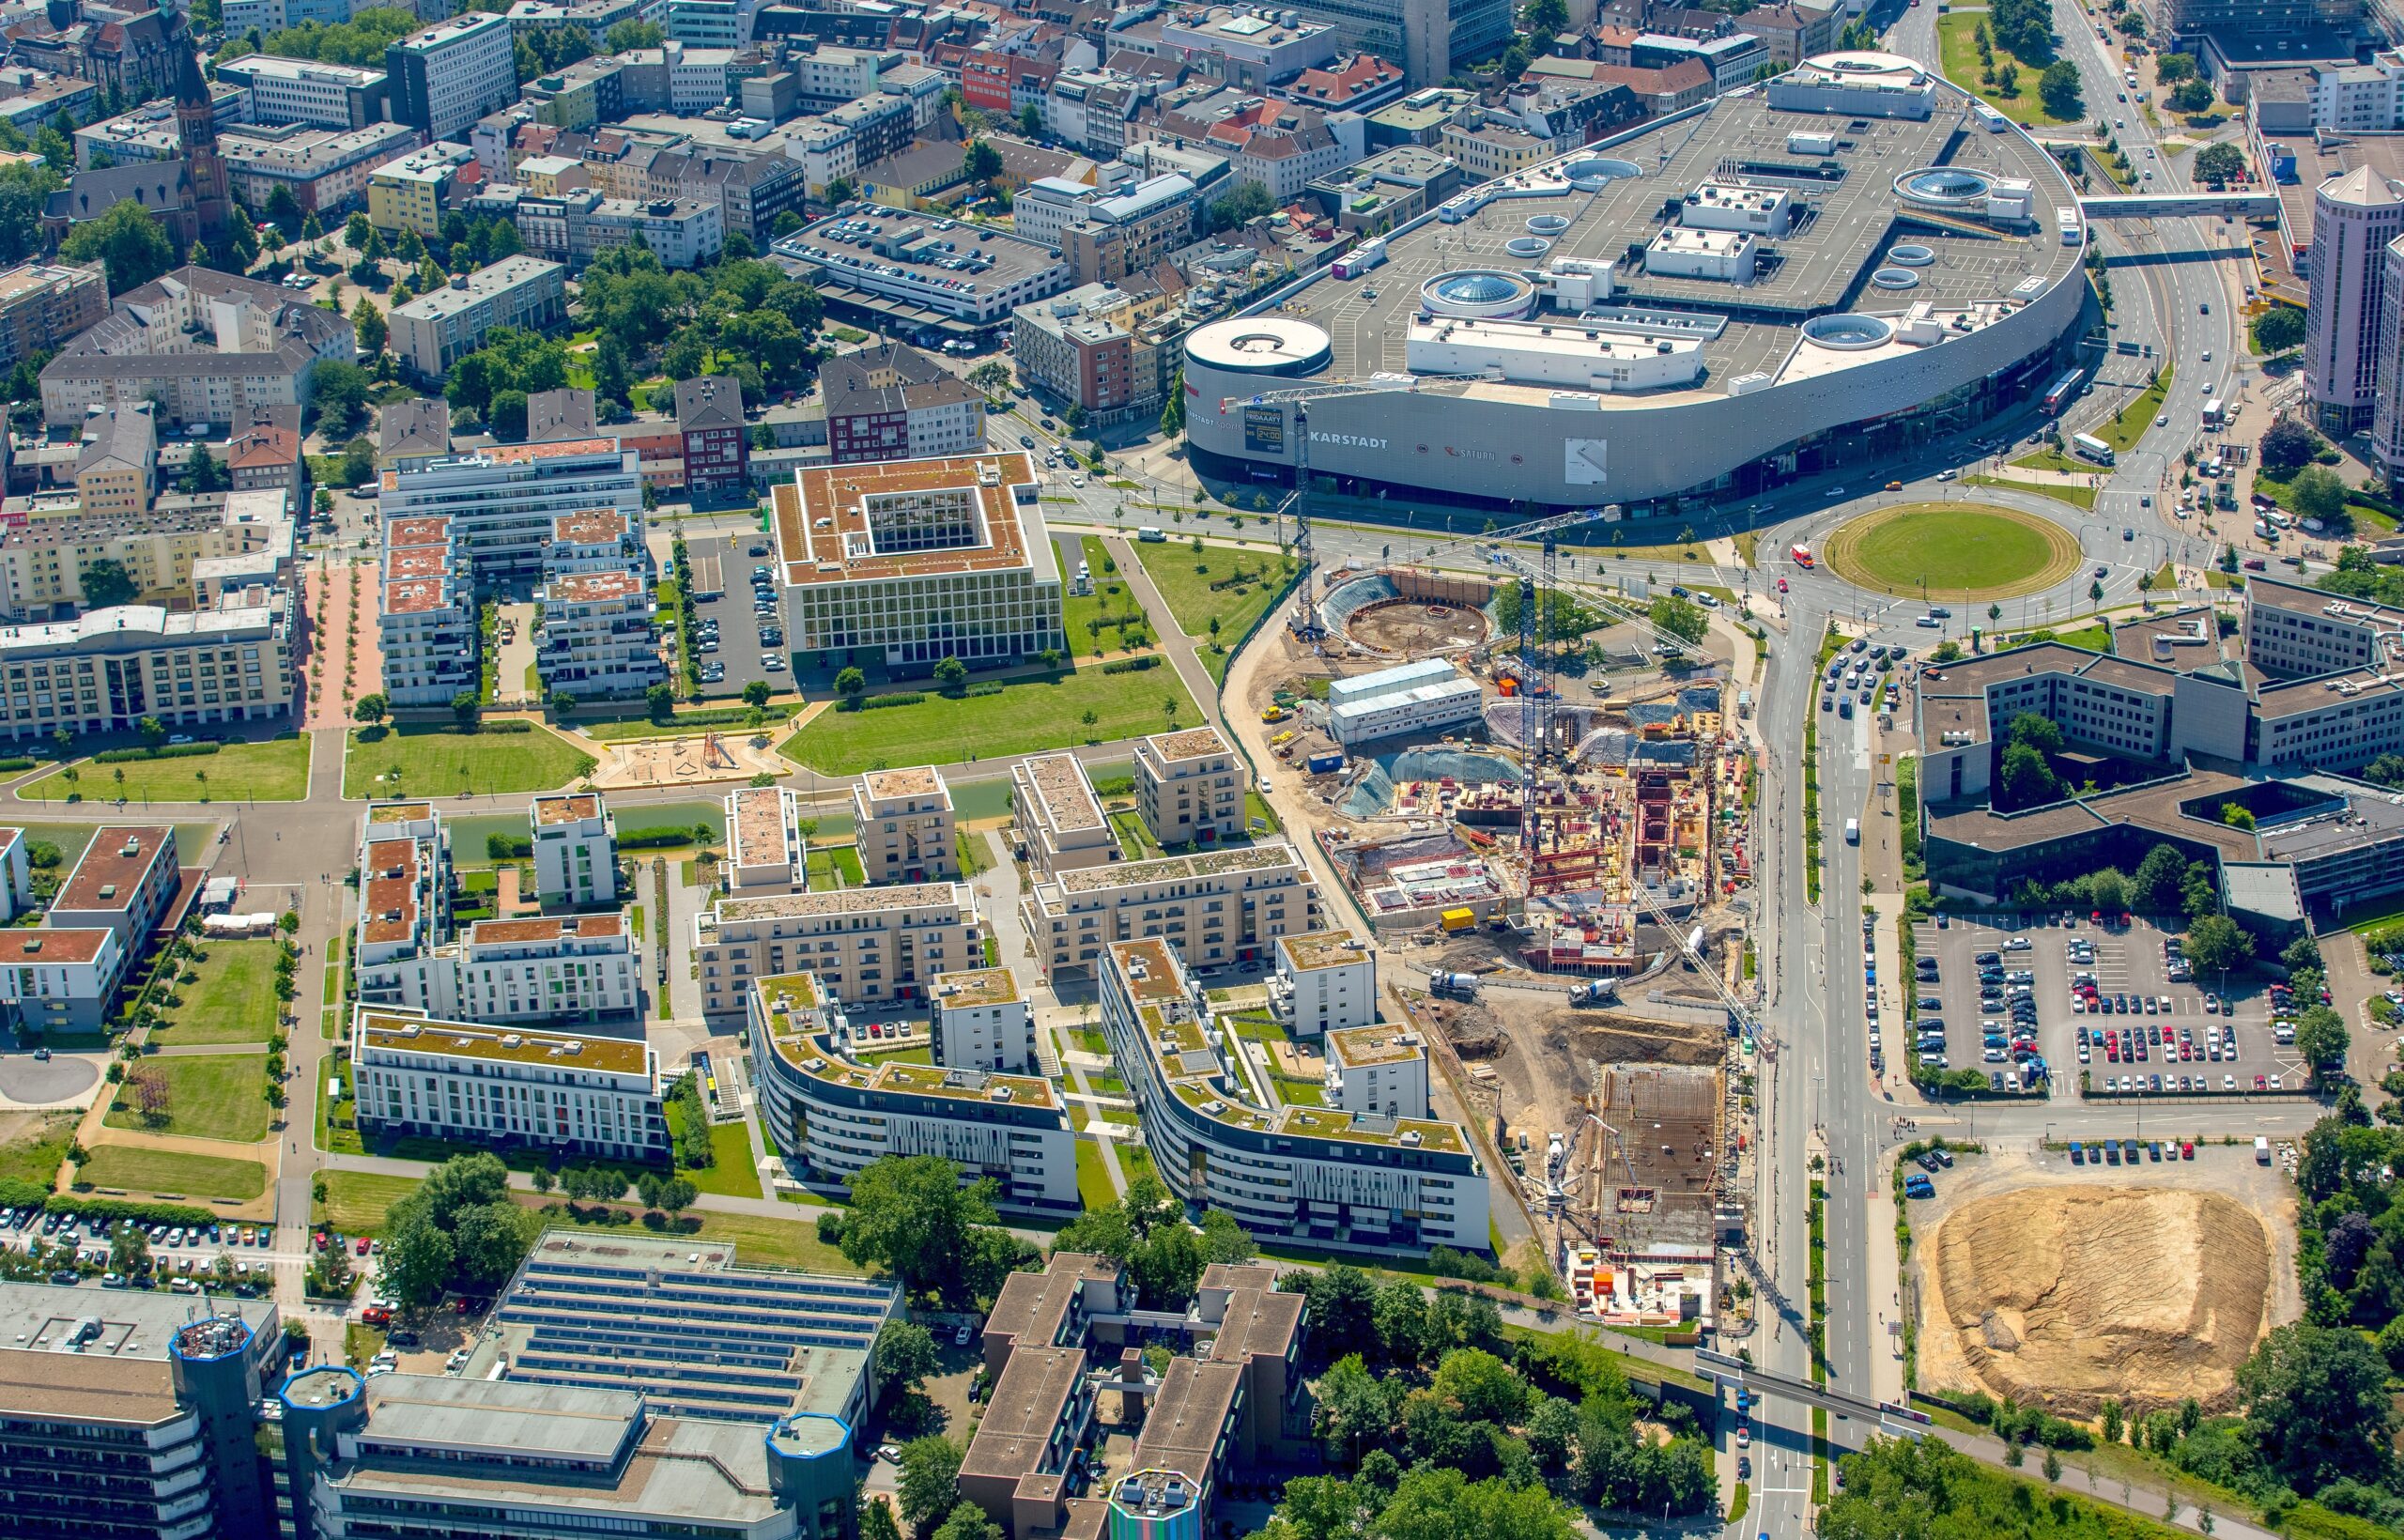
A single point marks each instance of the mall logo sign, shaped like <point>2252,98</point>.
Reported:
<point>1353,440</point>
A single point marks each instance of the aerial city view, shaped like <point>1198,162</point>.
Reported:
<point>1188,769</point>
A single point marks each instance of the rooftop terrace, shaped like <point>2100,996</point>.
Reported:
<point>403,1032</point>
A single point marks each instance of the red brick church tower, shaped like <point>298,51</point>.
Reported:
<point>196,127</point>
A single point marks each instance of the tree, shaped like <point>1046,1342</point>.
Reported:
<point>2213,163</point>
<point>128,239</point>
<point>1680,618</point>
<point>2038,731</point>
<point>982,162</point>
<point>627,35</point>
<point>1245,201</point>
<point>2237,815</point>
<point>129,1250</point>
<point>464,707</point>
<point>757,692</point>
<point>2278,329</point>
<point>204,473</point>
<point>2170,68</point>
<point>2287,446</point>
<point>2159,877</point>
<point>2026,779</point>
<point>2316,1406</point>
<point>2316,493</point>
<point>2322,1039</point>
<point>1481,1386</point>
<point>2216,943</point>
<point>966,1520</point>
<point>338,396</point>
<point>851,684</point>
<point>2058,88</point>
<point>914,1217</point>
<point>1440,1504</point>
<point>368,323</point>
<point>507,416</point>
<point>417,1257</point>
<point>951,675</point>
<point>24,188</point>
<point>105,583</point>
<point>906,1355</point>
<point>371,708</point>
<point>929,1484</point>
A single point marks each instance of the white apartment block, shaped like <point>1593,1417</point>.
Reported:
<point>1377,1070</point>
<point>575,849</point>
<point>1189,786</point>
<point>503,501</point>
<point>16,875</point>
<point>921,560</point>
<point>1326,981</point>
<point>60,980</point>
<point>1059,816</point>
<point>902,822</point>
<point>1219,908</point>
<point>404,903</point>
<point>864,944</point>
<point>981,1022</point>
<point>427,623</point>
<point>553,969</point>
<point>206,346</point>
<point>420,1074</point>
<point>326,95</point>
<point>765,852</point>
<point>706,23</point>
<point>2360,98</point>
<point>831,1115</point>
<point>1322,1175</point>
<point>108,668</point>
<point>435,331</point>
<point>595,635</point>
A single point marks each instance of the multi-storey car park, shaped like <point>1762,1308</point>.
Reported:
<point>1317,1176</point>
<point>1784,278</point>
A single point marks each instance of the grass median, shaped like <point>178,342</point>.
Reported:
<point>274,771</point>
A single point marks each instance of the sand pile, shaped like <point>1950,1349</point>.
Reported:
<point>2066,1296</point>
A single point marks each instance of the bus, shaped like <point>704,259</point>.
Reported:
<point>1995,122</point>
<point>1802,555</point>
<point>2064,388</point>
<point>2091,448</point>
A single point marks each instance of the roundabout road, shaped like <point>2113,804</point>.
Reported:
<point>1953,552</point>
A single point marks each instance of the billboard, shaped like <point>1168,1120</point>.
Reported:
<point>1264,430</point>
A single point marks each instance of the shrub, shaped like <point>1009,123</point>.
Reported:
<point>905,697</point>
<point>114,1209</point>
<point>502,847</point>
<point>1131,665</point>
<point>17,764</point>
<point>164,752</point>
<point>656,838</point>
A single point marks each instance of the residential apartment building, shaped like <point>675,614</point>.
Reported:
<point>60,980</point>
<point>409,433</point>
<point>766,851</point>
<point>575,849</point>
<point>893,403</point>
<point>1326,981</point>
<point>505,501</point>
<point>2358,98</point>
<point>420,1074</point>
<point>1377,1071</point>
<point>117,469</point>
<point>919,559</point>
<point>413,190</point>
<point>42,560</point>
<point>326,170</point>
<point>16,875</point>
<point>597,637</point>
<point>427,622</point>
<point>323,96</point>
<point>266,457</point>
<point>444,77</point>
<point>125,881</point>
<point>1128,231</point>
<point>42,305</point>
<point>709,417</point>
<point>902,822</point>
<point>1220,908</point>
<point>1189,786</point>
<point>106,670</point>
<point>434,330</point>
<point>982,1021</point>
<point>1281,144</point>
<point>863,944</point>
<point>1494,148</point>
<point>205,346</point>
<point>831,1116</point>
<point>570,967</point>
<point>1058,817</point>
<point>1312,1175</point>
<point>2354,219</point>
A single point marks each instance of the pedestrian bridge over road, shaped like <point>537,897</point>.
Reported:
<point>2182,205</point>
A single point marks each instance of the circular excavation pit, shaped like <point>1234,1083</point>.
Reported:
<point>1415,628</point>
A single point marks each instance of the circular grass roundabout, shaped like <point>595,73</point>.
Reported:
<point>1959,551</point>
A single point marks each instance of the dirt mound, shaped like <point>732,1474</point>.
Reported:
<point>2070,1296</point>
<point>1604,1037</point>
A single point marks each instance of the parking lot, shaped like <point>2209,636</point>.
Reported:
<point>2085,995</point>
<point>175,1252</point>
<point>728,562</point>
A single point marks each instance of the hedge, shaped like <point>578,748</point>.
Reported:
<point>1133,665</point>
<point>502,847</point>
<point>164,752</point>
<point>878,702</point>
<point>658,838</point>
<point>7,765</point>
<point>114,1209</point>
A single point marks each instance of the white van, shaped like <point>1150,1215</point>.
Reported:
<point>1853,831</point>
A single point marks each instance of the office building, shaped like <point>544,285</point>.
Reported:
<point>831,1115</point>
<point>434,330</point>
<point>575,849</point>
<point>61,979</point>
<point>423,1075</point>
<point>1311,1175</point>
<point>894,402</point>
<point>1112,349</point>
<point>1417,698</point>
<point>1221,908</point>
<point>921,560</point>
<point>1326,981</point>
<point>982,1021</point>
<point>413,190</point>
<point>323,96</point>
<point>117,469</point>
<point>1189,786</point>
<point>709,417</point>
<point>427,623</point>
<point>325,170</point>
<point>16,875</point>
<point>441,79</point>
<point>125,881</point>
<point>907,269</point>
<point>2387,415</point>
<point>864,944</point>
<point>42,305</point>
<point>2354,219</point>
<point>503,503</point>
<point>205,346</point>
<point>902,823</point>
<point>1059,819</point>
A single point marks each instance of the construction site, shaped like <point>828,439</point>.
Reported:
<point>1551,826</point>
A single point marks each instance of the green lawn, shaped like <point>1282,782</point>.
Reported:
<point>171,1172</point>
<point>731,1172</point>
<point>1093,1177</point>
<point>1185,581</point>
<point>1088,618</point>
<point>34,1154</point>
<point>757,1240</point>
<point>357,1201</point>
<point>1951,550</point>
<point>232,1001</point>
<point>2077,497</point>
<point>211,1096</point>
<point>1135,842</point>
<point>2123,431</point>
<point>274,771</point>
<point>833,866</point>
<point>1958,43</point>
<point>444,761</point>
<point>1029,714</point>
